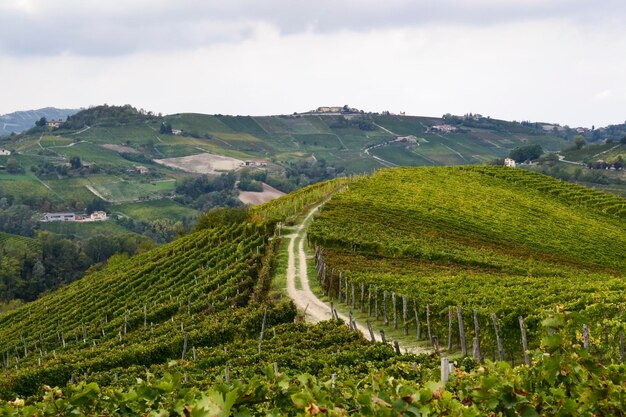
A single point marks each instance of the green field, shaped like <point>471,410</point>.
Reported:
<point>152,210</point>
<point>117,189</point>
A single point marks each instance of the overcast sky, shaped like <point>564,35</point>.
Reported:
<point>558,61</point>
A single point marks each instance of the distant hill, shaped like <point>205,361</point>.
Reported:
<point>20,121</point>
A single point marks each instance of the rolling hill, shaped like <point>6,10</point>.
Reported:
<point>20,121</point>
<point>203,324</point>
<point>113,141</point>
<point>490,239</point>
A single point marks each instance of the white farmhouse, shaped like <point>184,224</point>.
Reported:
<point>98,216</point>
<point>4,152</point>
<point>508,162</point>
<point>59,217</point>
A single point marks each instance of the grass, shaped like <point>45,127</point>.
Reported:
<point>152,210</point>
<point>23,185</point>
<point>116,189</point>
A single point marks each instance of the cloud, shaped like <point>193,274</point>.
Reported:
<point>121,27</point>
<point>602,95</point>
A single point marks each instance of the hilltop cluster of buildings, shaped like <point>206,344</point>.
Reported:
<point>54,124</point>
<point>257,164</point>
<point>96,216</point>
<point>336,109</point>
<point>444,128</point>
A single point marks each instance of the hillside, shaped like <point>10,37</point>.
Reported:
<point>199,325</point>
<point>145,169</point>
<point>490,239</point>
<point>20,121</point>
<point>202,299</point>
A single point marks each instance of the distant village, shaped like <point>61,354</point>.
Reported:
<point>96,216</point>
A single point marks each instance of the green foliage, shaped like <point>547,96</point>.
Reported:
<point>219,217</point>
<point>105,115</point>
<point>492,239</point>
<point>563,380</point>
<point>165,128</point>
<point>526,153</point>
<point>250,185</point>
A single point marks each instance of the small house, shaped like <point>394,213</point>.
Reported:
<point>53,124</point>
<point>59,217</point>
<point>508,162</point>
<point>98,216</point>
<point>4,152</point>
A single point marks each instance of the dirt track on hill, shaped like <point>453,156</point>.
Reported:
<point>315,310</point>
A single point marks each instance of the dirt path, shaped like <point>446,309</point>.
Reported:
<point>315,310</point>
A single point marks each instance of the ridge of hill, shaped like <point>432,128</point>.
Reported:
<point>20,121</point>
<point>203,308</point>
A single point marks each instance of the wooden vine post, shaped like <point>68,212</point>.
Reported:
<point>395,310</point>
<point>476,342</point>
<point>524,340</point>
<point>262,329</point>
<point>405,315</point>
<point>430,336</point>
<point>449,328</point>
<point>362,305</point>
<point>498,340</point>
<point>385,316</point>
<point>459,317</point>
<point>376,301</point>
<point>418,329</point>
<point>586,336</point>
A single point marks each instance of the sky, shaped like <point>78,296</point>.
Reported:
<point>557,61</point>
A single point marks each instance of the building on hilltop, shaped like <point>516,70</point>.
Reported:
<point>4,152</point>
<point>248,163</point>
<point>54,123</point>
<point>97,216</point>
<point>59,217</point>
<point>445,128</point>
<point>508,162</point>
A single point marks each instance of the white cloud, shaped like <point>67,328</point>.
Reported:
<point>219,58</point>
<point>602,95</point>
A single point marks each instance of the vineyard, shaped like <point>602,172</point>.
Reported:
<point>198,306</point>
<point>8,240</point>
<point>486,240</point>
<point>191,328</point>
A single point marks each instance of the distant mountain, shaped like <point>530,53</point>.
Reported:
<point>22,120</point>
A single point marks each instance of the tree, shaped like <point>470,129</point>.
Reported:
<point>526,153</point>
<point>579,142</point>
<point>623,140</point>
<point>13,167</point>
<point>75,162</point>
<point>96,205</point>
<point>41,122</point>
<point>166,128</point>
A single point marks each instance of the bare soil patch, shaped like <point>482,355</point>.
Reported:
<point>204,163</point>
<point>269,193</point>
